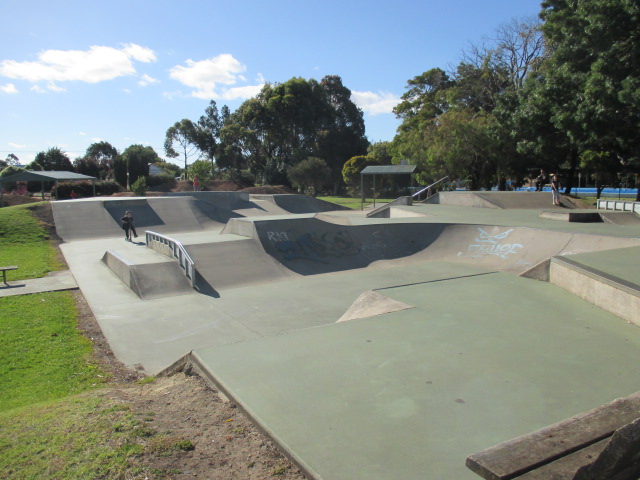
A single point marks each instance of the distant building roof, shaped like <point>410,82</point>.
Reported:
<point>388,169</point>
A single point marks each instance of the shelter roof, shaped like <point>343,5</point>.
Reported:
<point>388,169</point>
<point>45,176</point>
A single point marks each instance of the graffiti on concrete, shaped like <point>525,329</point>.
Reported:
<point>487,244</point>
<point>310,246</point>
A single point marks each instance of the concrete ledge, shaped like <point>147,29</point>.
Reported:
<point>148,281</point>
<point>582,217</point>
<point>122,268</point>
<point>240,226</point>
<point>611,293</point>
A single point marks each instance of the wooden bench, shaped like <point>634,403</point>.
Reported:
<point>603,444</point>
<point>4,272</point>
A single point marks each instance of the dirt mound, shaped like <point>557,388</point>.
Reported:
<point>131,194</point>
<point>9,200</point>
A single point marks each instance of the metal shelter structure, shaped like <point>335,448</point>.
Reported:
<point>384,170</point>
<point>45,176</point>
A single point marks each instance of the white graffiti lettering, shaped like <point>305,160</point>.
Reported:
<point>488,244</point>
<point>277,236</point>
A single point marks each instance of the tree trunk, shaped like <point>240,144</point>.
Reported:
<point>573,158</point>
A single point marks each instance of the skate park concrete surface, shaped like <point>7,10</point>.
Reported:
<point>367,348</point>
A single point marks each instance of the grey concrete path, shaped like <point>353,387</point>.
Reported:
<point>479,356</point>
<point>54,282</point>
<point>411,394</point>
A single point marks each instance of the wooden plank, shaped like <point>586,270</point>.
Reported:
<point>566,467</point>
<point>622,451</point>
<point>13,267</point>
<point>525,453</point>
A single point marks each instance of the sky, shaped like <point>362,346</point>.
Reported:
<point>73,73</point>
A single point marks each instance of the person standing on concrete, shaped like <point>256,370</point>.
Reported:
<point>555,189</point>
<point>127,225</point>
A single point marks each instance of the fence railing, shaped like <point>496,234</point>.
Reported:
<point>619,205</point>
<point>172,248</point>
<point>429,189</point>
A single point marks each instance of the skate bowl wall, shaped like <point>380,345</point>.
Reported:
<point>309,246</point>
<point>176,212</point>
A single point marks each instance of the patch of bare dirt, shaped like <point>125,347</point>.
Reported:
<point>225,443</point>
<point>10,200</point>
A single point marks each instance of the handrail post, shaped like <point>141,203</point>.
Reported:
<point>178,252</point>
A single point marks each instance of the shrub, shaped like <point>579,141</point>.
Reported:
<point>85,189</point>
<point>139,187</point>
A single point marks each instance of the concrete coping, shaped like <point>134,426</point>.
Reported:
<point>612,280</point>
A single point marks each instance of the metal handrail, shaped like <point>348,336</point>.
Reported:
<point>427,188</point>
<point>177,250</point>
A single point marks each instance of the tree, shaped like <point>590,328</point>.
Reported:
<point>104,154</point>
<point>289,122</point>
<point>87,166</point>
<point>134,163</point>
<point>184,134</point>
<point>594,50</point>
<point>473,102</point>
<point>342,133</point>
<point>53,159</point>
<point>310,175</point>
<point>12,160</point>
<point>352,168</point>
<point>171,168</point>
<point>202,170</point>
<point>207,132</point>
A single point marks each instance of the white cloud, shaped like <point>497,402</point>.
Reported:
<point>241,93</point>
<point>8,88</point>
<point>375,103</point>
<point>205,77</point>
<point>54,88</point>
<point>17,146</point>
<point>141,54</point>
<point>37,89</point>
<point>147,80</point>
<point>95,65</point>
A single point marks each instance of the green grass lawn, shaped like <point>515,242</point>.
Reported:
<point>353,203</point>
<point>23,243</point>
<point>43,356</point>
<point>48,429</point>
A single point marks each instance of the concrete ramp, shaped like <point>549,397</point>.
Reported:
<point>299,203</point>
<point>501,200</point>
<point>148,281</point>
<point>240,263</point>
<point>100,217</point>
<point>79,220</point>
<point>310,246</point>
<point>371,304</point>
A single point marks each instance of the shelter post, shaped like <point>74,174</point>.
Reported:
<point>374,190</point>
